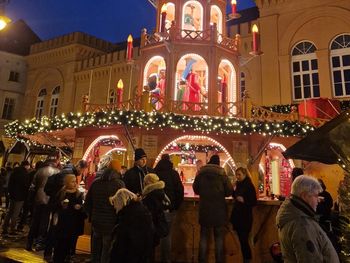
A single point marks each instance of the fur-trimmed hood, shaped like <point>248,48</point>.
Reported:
<point>151,187</point>
<point>212,170</point>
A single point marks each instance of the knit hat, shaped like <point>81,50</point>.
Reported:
<point>115,165</point>
<point>150,178</point>
<point>139,153</point>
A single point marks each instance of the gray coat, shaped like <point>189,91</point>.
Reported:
<point>212,185</point>
<point>302,239</point>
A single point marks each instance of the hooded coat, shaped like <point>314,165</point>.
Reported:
<point>155,199</point>
<point>173,185</point>
<point>212,185</point>
<point>302,239</point>
<point>133,235</point>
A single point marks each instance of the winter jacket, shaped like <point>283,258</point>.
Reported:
<point>70,220</point>
<point>19,183</point>
<point>242,213</point>
<point>154,198</point>
<point>133,235</point>
<point>133,178</point>
<point>174,188</point>
<point>212,185</point>
<point>101,213</point>
<point>302,239</point>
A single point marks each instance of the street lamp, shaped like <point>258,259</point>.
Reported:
<point>4,20</point>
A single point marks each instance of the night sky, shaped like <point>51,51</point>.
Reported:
<point>111,20</point>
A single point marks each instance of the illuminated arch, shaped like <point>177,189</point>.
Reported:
<point>228,161</point>
<point>201,64</point>
<point>226,67</point>
<point>153,66</point>
<point>98,139</point>
<point>170,15</point>
<point>283,148</point>
<point>215,9</point>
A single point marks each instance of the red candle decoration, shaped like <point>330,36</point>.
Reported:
<point>163,18</point>
<point>256,43</point>
<point>120,87</point>
<point>233,7</point>
<point>129,48</point>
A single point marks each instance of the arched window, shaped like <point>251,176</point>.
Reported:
<point>216,17</point>
<point>340,63</point>
<point>40,103</point>
<point>54,101</point>
<point>170,15</point>
<point>242,84</point>
<point>305,71</point>
<point>112,97</point>
<point>192,16</point>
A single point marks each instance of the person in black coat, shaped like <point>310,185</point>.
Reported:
<point>133,177</point>
<point>244,196</point>
<point>133,234</point>
<point>18,188</point>
<point>174,189</point>
<point>155,199</point>
<point>212,185</point>
<point>68,219</point>
<point>101,213</point>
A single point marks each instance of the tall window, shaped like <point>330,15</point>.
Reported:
<point>54,101</point>
<point>112,97</point>
<point>305,71</point>
<point>340,63</point>
<point>242,84</point>
<point>40,103</point>
<point>7,111</point>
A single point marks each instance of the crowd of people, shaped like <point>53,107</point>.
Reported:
<point>132,211</point>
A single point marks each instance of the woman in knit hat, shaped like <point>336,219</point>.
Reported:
<point>133,235</point>
<point>155,199</point>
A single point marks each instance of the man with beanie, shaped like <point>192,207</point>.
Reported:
<point>212,185</point>
<point>133,177</point>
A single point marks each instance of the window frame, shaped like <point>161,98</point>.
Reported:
<point>339,52</point>
<point>55,95</point>
<point>300,58</point>
<point>8,115</point>
<point>40,103</point>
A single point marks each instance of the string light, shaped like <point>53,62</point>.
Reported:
<point>154,120</point>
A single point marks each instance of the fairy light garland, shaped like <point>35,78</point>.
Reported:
<point>157,120</point>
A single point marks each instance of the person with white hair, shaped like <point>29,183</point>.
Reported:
<point>133,234</point>
<point>302,239</point>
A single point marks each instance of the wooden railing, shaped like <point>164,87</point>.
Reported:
<point>260,113</point>
<point>243,109</point>
<point>175,34</point>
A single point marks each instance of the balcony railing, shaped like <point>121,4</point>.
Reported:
<point>243,109</point>
<point>209,36</point>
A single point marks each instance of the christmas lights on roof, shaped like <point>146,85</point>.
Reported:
<point>157,120</point>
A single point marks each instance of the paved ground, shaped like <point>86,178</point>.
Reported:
<point>12,250</point>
